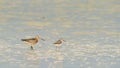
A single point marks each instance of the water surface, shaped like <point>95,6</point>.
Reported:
<point>90,28</point>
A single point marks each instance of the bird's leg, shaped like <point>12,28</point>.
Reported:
<point>31,47</point>
<point>56,48</point>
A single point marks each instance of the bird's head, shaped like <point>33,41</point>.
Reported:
<point>62,39</point>
<point>37,37</point>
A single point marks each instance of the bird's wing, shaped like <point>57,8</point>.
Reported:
<point>57,42</point>
<point>27,39</point>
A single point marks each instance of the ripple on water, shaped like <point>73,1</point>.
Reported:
<point>86,54</point>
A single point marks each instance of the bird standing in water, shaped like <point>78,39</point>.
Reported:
<point>58,43</point>
<point>32,41</point>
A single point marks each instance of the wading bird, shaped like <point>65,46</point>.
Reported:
<point>58,43</point>
<point>32,41</point>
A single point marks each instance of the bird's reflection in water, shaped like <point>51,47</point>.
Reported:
<point>39,59</point>
<point>32,59</point>
<point>57,61</point>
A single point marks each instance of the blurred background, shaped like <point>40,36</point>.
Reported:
<point>91,29</point>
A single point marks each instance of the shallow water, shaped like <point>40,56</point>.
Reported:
<point>68,56</point>
<point>91,30</point>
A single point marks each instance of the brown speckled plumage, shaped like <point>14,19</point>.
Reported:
<point>31,41</point>
<point>58,42</point>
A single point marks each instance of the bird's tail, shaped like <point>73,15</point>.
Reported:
<point>23,39</point>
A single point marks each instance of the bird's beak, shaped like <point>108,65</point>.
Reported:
<point>64,40</point>
<point>42,39</point>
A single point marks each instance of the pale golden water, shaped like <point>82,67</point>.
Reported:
<point>91,30</point>
<point>70,55</point>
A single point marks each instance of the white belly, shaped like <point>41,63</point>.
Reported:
<point>57,45</point>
